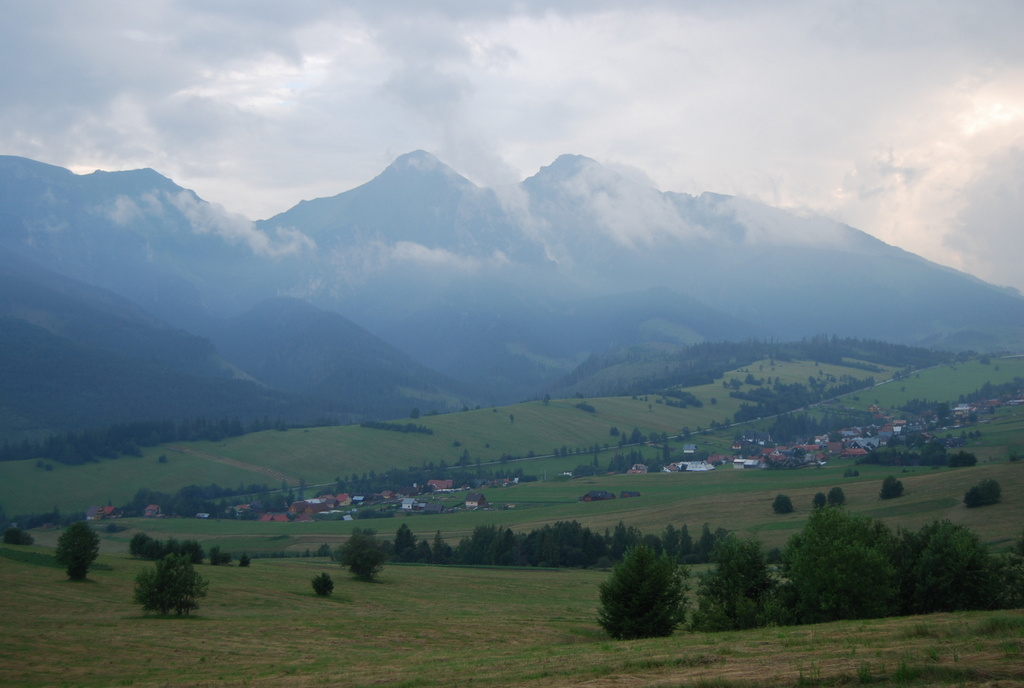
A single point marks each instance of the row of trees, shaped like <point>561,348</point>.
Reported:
<point>562,544</point>
<point>840,566</point>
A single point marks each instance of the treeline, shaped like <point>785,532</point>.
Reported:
<point>126,439</point>
<point>845,566</point>
<point>396,427</point>
<point>565,544</point>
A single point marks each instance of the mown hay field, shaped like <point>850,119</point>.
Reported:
<point>436,626</point>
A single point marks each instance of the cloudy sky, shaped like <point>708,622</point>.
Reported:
<point>904,119</point>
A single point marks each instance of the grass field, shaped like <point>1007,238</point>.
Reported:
<point>436,626</point>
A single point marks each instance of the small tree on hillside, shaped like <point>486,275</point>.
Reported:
<point>645,596</point>
<point>836,497</point>
<point>323,585</point>
<point>782,504</point>
<point>173,585</point>
<point>891,488</point>
<point>819,500</point>
<point>362,554</point>
<point>984,493</point>
<point>77,549</point>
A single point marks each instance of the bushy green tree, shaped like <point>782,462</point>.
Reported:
<point>984,493</point>
<point>782,504</point>
<point>945,567</point>
<point>819,500</point>
<point>645,596</point>
<point>244,560</point>
<point>17,536</point>
<point>173,585</point>
<point>891,488</point>
<point>323,585</point>
<point>77,548</point>
<point>362,554</point>
<point>736,592</point>
<point>836,497</point>
<point>839,567</point>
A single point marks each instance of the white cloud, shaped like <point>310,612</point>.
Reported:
<point>209,218</point>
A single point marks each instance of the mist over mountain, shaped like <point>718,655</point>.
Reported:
<point>500,291</point>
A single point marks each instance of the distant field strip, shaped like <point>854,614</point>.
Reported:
<point>269,472</point>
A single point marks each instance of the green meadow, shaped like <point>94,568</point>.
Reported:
<point>438,626</point>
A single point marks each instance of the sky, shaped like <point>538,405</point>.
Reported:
<point>903,119</point>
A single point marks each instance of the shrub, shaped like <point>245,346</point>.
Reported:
<point>984,493</point>
<point>173,585</point>
<point>77,548</point>
<point>782,504</point>
<point>244,560</point>
<point>323,585</point>
<point>891,488</point>
<point>645,596</point>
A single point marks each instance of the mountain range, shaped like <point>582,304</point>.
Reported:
<point>420,288</point>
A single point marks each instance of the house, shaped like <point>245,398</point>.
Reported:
<point>93,513</point>
<point>637,468</point>
<point>596,496</point>
<point>433,508</point>
<point>689,448</point>
<point>625,494</point>
<point>439,485</point>
<point>274,518</point>
<point>475,500</point>
<point>410,504</point>
<point>343,499</point>
<point>151,511</point>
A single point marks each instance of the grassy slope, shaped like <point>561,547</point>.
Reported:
<point>263,626</point>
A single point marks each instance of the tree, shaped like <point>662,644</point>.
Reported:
<point>77,549</point>
<point>404,548</point>
<point>891,488</point>
<point>645,596</point>
<point>782,504</point>
<point>735,594</point>
<point>323,585</point>
<point>244,560</point>
<point>362,554</point>
<point>218,558</point>
<point>173,585</point>
<point>836,497</point>
<point>820,500</point>
<point>945,567</point>
<point>838,567</point>
<point>17,536</point>
<point>984,493</point>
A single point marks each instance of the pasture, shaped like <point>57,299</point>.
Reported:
<point>436,626</point>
